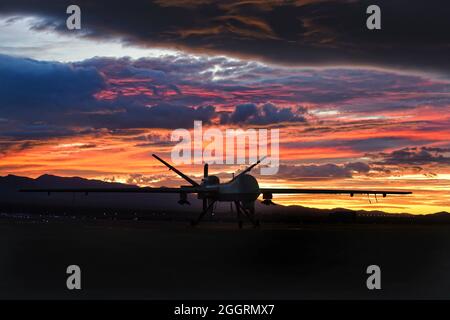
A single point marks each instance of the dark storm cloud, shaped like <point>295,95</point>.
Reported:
<point>42,100</point>
<point>360,145</point>
<point>324,171</point>
<point>414,34</point>
<point>159,116</point>
<point>414,156</point>
<point>374,144</point>
<point>7,147</point>
<point>36,88</point>
<point>47,99</point>
<point>38,98</point>
<point>262,115</point>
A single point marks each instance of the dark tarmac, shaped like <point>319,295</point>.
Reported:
<point>171,260</point>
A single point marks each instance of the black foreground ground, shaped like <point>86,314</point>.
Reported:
<point>170,260</point>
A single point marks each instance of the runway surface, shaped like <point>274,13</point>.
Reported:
<point>170,260</point>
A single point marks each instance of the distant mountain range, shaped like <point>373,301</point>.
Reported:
<point>11,200</point>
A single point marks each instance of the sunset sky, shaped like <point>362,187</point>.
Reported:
<point>355,108</point>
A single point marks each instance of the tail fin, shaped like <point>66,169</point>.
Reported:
<point>181,174</point>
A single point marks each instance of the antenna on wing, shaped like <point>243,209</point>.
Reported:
<point>181,174</point>
<point>248,169</point>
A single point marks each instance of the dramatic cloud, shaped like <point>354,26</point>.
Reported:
<point>49,99</point>
<point>35,88</point>
<point>316,32</point>
<point>42,99</point>
<point>415,156</point>
<point>325,171</point>
<point>159,116</point>
<point>266,114</point>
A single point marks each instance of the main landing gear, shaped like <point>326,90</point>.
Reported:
<point>249,213</point>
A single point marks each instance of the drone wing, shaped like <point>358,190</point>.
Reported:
<point>329,191</point>
<point>121,190</point>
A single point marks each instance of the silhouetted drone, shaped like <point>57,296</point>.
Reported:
<point>242,190</point>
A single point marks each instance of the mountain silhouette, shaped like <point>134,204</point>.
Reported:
<point>11,200</point>
<point>10,196</point>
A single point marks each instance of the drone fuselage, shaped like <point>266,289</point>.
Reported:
<point>244,188</point>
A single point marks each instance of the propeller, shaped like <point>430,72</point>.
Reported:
<point>205,171</point>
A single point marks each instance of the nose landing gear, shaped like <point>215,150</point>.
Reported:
<point>249,213</point>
